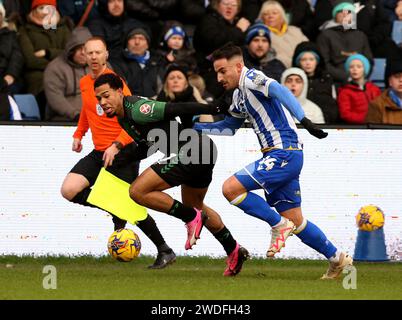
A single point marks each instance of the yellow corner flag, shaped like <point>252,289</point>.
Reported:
<point>111,194</point>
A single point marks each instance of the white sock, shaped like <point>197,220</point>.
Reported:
<point>335,257</point>
<point>280,222</point>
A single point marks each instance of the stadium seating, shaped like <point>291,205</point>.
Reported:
<point>378,74</point>
<point>397,32</point>
<point>28,106</point>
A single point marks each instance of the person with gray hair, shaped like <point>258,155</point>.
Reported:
<point>284,37</point>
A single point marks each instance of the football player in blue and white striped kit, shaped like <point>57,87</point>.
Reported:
<point>270,108</point>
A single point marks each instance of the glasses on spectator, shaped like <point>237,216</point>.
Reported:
<point>229,4</point>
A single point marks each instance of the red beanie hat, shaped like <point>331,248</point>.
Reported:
<point>37,3</point>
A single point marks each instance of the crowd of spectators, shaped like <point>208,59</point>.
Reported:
<point>324,51</point>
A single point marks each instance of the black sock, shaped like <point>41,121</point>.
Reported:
<point>182,212</point>
<point>81,198</point>
<point>226,239</point>
<point>148,226</point>
<point>118,223</point>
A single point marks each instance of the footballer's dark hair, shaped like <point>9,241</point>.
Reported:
<point>228,51</point>
<point>113,80</point>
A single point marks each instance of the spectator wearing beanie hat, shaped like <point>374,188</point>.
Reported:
<point>259,54</point>
<point>354,97</point>
<point>387,108</point>
<point>339,40</point>
<point>141,67</point>
<point>321,88</point>
<point>175,46</point>
<point>371,18</point>
<point>41,40</point>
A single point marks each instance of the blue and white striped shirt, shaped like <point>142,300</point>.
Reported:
<point>272,122</point>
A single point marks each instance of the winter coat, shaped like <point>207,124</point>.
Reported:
<point>192,11</point>
<point>145,82</point>
<point>11,58</point>
<point>214,31</point>
<point>32,38</point>
<point>353,101</point>
<point>336,44</point>
<point>112,29</point>
<point>210,34</point>
<point>311,110</point>
<point>383,110</point>
<point>321,89</point>
<point>62,81</point>
<point>389,9</point>
<point>285,44</point>
<point>271,66</point>
<point>75,10</point>
<point>300,15</point>
<point>371,19</point>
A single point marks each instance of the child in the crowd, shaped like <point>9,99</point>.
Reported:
<point>354,97</point>
<point>176,47</point>
<point>321,88</point>
<point>295,79</point>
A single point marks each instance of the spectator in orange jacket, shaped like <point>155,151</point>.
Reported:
<point>354,97</point>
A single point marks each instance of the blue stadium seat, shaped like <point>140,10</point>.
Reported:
<point>378,74</point>
<point>28,106</point>
<point>397,31</point>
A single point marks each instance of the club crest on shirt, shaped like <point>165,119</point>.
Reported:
<point>99,110</point>
<point>257,79</point>
<point>145,108</point>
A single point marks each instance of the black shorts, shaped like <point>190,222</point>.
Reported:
<point>123,167</point>
<point>195,172</point>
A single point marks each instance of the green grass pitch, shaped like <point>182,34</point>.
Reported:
<point>191,278</point>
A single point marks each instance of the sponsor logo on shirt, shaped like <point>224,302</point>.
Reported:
<point>99,110</point>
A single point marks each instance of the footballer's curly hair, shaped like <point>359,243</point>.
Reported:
<point>228,51</point>
<point>113,80</point>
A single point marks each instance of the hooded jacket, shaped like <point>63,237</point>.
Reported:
<point>336,44</point>
<point>321,89</point>
<point>311,110</point>
<point>353,101</point>
<point>62,80</point>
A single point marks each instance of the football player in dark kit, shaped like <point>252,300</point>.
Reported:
<point>188,163</point>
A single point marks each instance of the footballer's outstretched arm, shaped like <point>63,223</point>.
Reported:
<point>289,101</point>
<point>226,127</point>
<point>146,111</point>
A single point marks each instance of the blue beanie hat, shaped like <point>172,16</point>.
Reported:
<point>258,30</point>
<point>363,59</point>
<point>176,30</point>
